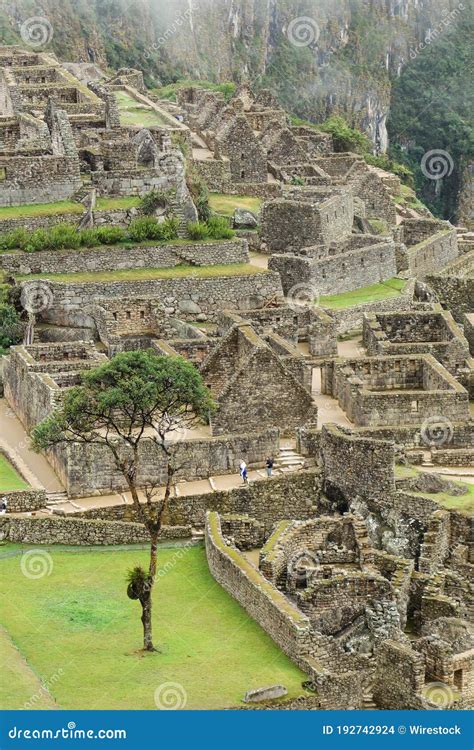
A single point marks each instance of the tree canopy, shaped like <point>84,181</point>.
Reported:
<point>123,397</point>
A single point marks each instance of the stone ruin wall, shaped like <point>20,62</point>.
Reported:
<point>90,469</point>
<point>415,332</point>
<point>395,390</point>
<point>340,273</point>
<point>184,297</point>
<point>296,495</point>
<point>435,252</point>
<point>38,179</point>
<point>116,258</point>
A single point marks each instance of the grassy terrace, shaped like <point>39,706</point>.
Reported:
<point>373,293</point>
<point>133,112</point>
<point>65,207</point>
<point>226,204</point>
<point>144,274</point>
<point>208,643</point>
<point>9,477</point>
<point>462,503</point>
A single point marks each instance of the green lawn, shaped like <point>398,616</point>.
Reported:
<point>373,293</point>
<point>65,207</point>
<point>9,477</point>
<point>79,624</point>
<point>226,204</point>
<point>142,274</point>
<point>133,112</point>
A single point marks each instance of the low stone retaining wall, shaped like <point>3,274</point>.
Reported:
<point>351,318</point>
<point>456,457</point>
<point>73,531</point>
<point>21,501</point>
<point>117,217</point>
<point>107,258</point>
<point>87,469</point>
<point>80,532</point>
<point>268,501</point>
<point>286,625</point>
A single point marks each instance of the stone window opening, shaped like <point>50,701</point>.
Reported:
<point>142,314</point>
<point>128,314</point>
<point>115,315</point>
<point>242,174</point>
<point>414,406</point>
<point>3,174</point>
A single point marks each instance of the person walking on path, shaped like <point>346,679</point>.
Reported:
<point>244,472</point>
<point>269,465</point>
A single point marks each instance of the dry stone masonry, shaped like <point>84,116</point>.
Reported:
<point>356,555</point>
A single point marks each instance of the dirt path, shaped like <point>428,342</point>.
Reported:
<point>20,687</point>
<point>16,444</point>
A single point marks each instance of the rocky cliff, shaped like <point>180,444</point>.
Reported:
<point>320,57</point>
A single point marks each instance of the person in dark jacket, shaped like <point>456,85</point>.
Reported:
<point>269,465</point>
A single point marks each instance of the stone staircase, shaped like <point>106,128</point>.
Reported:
<point>177,211</point>
<point>54,499</point>
<point>368,700</point>
<point>289,460</point>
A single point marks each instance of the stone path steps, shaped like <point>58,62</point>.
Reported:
<point>368,700</point>
<point>288,460</point>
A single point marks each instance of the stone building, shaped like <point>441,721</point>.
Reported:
<point>235,140</point>
<point>255,386</point>
<point>406,389</point>
<point>415,332</point>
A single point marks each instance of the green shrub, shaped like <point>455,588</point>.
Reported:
<point>344,137</point>
<point>37,241</point>
<point>89,238</point>
<point>170,228</point>
<point>198,230</point>
<point>62,237</point>
<point>145,228</point>
<point>219,229</point>
<point>11,328</point>
<point>110,235</point>
<point>199,193</point>
<point>153,200</point>
<point>18,238</point>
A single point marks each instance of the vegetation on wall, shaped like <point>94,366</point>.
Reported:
<point>432,111</point>
<point>11,328</point>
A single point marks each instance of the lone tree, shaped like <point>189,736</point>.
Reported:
<point>135,397</point>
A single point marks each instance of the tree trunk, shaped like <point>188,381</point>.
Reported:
<point>147,601</point>
<point>146,620</point>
